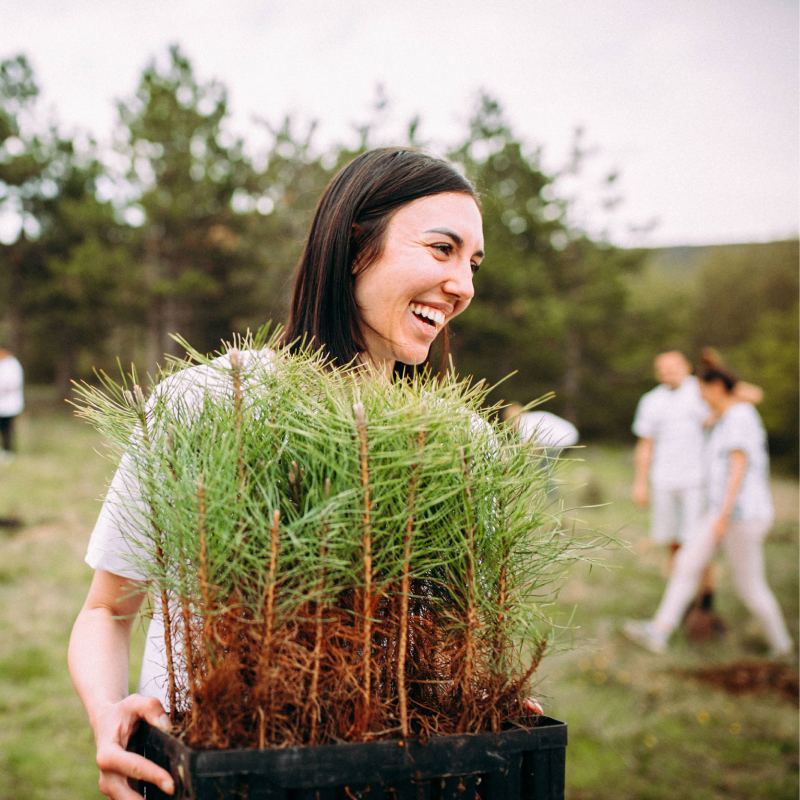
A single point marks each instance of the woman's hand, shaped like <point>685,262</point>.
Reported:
<point>113,729</point>
<point>98,663</point>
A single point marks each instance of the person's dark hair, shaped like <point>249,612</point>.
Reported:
<point>711,369</point>
<point>347,235</point>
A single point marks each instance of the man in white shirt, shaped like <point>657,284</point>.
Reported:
<point>11,400</point>
<point>669,453</point>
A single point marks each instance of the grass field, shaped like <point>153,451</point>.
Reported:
<point>641,726</point>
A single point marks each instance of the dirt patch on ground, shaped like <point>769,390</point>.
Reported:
<point>749,677</point>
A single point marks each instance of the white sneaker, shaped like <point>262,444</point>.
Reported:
<point>783,656</point>
<point>645,634</point>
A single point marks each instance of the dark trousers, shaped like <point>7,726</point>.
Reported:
<point>5,432</point>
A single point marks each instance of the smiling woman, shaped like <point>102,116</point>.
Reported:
<point>389,261</point>
<point>395,228</point>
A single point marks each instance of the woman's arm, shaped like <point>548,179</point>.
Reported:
<point>748,392</point>
<point>738,466</point>
<point>99,655</point>
<point>642,458</point>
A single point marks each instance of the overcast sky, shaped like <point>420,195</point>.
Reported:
<point>694,101</point>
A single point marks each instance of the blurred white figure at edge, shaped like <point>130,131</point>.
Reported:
<point>11,401</point>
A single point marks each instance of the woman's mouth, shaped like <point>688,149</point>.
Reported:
<point>428,316</point>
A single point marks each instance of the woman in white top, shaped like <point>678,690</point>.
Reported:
<point>740,514</point>
<point>11,400</point>
<point>389,261</point>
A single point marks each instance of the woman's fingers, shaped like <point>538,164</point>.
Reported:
<point>532,706</point>
<point>115,762</point>
<point>147,708</point>
<point>116,787</point>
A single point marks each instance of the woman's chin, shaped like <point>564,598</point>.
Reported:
<point>413,355</point>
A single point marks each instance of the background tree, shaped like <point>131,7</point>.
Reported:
<point>549,298</point>
<point>188,230</point>
<point>283,193</point>
<point>76,298</point>
<point>63,263</point>
<point>21,177</point>
<point>194,274</point>
<point>747,307</point>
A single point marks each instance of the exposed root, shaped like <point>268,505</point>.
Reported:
<point>239,701</point>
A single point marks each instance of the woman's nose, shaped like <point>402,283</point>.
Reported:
<point>459,280</point>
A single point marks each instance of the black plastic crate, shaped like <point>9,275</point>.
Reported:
<point>516,764</point>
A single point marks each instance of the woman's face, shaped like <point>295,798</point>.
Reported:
<point>422,279</point>
<point>714,393</point>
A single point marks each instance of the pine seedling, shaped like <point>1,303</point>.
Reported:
<point>333,555</point>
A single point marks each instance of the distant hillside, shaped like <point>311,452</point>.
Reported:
<point>683,261</point>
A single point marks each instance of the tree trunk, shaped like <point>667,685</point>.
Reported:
<point>15,327</point>
<point>572,373</point>
<point>154,334</point>
<point>173,320</point>
<point>65,366</point>
<point>153,338</point>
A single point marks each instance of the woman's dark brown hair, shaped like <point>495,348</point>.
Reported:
<point>711,369</point>
<point>347,235</point>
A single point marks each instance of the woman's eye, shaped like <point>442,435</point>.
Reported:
<point>475,267</point>
<point>445,249</point>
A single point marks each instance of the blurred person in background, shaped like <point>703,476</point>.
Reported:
<point>551,432</point>
<point>11,401</point>
<point>739,516</point>
<point>668,470</point>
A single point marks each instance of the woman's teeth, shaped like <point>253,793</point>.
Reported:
<point>433,314</point>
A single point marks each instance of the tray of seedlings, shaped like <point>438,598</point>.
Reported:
<point>350,573</point>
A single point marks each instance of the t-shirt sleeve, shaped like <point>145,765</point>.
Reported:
<point>741,430</point>
<point>644,422</point>
<point>118,543</point>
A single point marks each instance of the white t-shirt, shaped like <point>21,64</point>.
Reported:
<point>547,429</point>
<point>740,428</point>
<point>113,544</point>
<point>11,399</point>
<point>673,419</point>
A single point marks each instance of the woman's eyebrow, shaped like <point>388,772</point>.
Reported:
<point>455,237</point>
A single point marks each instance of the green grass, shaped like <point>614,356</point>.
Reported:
<point>639,727</point>
<point>53,487</point>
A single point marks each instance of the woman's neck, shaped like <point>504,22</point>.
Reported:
<point>725,402</point>
<point>375,367</point>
